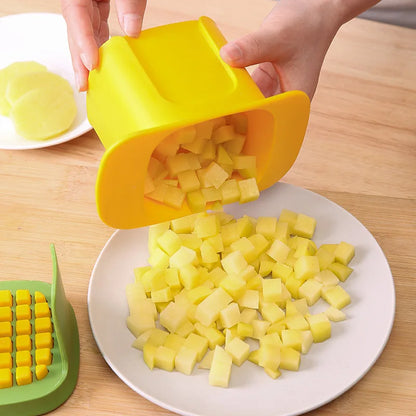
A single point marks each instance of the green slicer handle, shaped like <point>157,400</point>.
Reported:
<point>66,330</point>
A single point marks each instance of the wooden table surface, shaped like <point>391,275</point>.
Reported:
<point>359,151</point>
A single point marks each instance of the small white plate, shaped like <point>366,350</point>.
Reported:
<point>328,370</point>
<point>39,37</point>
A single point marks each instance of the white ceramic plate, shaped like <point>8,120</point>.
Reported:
<point>328,370</point>
<point>40,37</point>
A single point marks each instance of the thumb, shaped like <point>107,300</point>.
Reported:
<point>253,48</point>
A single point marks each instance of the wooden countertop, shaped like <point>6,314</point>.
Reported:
<point>359,151</point>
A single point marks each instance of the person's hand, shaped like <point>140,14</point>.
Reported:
<point>88,29</point>
<point>289,47</point>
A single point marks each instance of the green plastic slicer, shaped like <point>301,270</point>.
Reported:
<point>39,345</point>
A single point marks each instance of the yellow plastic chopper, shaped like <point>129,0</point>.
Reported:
<point>171,77</point>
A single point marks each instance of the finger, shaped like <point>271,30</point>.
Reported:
<point>80,72</point>
<point>78,17</point>
<point>130,15</point>
<point>267,79</point>
<point>103,32</point>
<point>253,48</point>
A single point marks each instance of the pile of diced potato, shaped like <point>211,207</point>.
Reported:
<point>219,291</point>
<point>40,103</point>
<point>203,164</point>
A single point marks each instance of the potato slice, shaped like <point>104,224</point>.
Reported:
<point>43,113</point>
<point>21,84</point>
<point>10,72</point>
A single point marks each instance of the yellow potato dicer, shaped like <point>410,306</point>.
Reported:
<point>171,77</point>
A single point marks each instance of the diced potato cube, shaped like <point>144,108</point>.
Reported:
<point>334,314</point>
<point>185,360</point>
<point>304,247</point>
<point>304,226</point>
<point>213,335</point>
<point>340,270</point>
<point>174,197</point>
<point>278,251</point>
<point>336,296</point>
<point>182,257</point>
<point>239,350</point>
<point>197,343</point>
<point>289,359</point>
<point>162,295</point>
<point>223,134</point>
<point>247,315</point>
<point>259,328</point>
<point>311,291</point>
<point>236,145</point>
<point>269,356</point>
<point>168,147</point>
<point>344,253</point>
<point>293,284</point>
<point>230,191</point>
<point>189,276</point>
<point>249,190</point>
<point>281,270</point>
<point>173,316</point>
<point>297,321</point>
<point>207,226</point>
<point>272,313</point>
<point>230,315</point>
<point>206,362</point>
<point>196,201</point>
<point>266,226</point>
<point>288,216</point>
<point>159,259</point>
<point>245,330</point>
<point>292,338</point>
<point>254,356</point>
<point>149,353</point>
<point>215,175</point>
<point>234,263</point>
<point>250,299</point>
<point>164,358</point>
<point>272,290</point>
<point>271,339</point>
<point>220,371</point>
<point>188,180</point>
<point>184,135</point>
<point>209,309</point>
<point>234,286</point>
<point>320,327</point>
<point>325,257</point>
<point>327,278</point>
<point>307,341</point>
<point>140,323</point>
<point>174,342</point>
<point>306,267</point>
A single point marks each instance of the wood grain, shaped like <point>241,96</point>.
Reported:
<point>359,151</point>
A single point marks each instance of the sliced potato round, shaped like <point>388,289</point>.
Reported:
<point>10,72</point>
<point>21,84</point>
<point>43,113</point>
